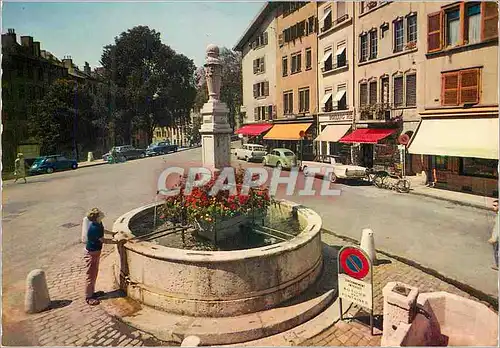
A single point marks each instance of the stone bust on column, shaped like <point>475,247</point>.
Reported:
<point>215,130</point>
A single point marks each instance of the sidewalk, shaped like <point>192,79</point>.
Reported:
<point>467,199</point>
<point>73,323</point>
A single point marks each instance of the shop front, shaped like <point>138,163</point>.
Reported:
<point>459,151</point>
<point>333,126</point>
<point>253,132</point>
<point>288,135</point>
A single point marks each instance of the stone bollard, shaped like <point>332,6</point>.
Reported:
<point>191,341</point>
<point>90,156</point>
<point>368,244</point>
<point>400,308</point>
<point>37,294</point>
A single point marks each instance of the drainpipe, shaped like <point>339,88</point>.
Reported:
<point>353,73</point>
<point>318,126</point>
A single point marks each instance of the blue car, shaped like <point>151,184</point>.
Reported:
<point>160,148</point>
<point>50,164</point>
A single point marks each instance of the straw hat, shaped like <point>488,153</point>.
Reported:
<point>94,213</point>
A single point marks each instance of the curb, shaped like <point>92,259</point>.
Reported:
<point>489,300</point>
<point>467,204</point>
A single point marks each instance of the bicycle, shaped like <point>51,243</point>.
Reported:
<point>391,182</point>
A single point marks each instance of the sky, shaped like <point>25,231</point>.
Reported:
<point>82,29</point>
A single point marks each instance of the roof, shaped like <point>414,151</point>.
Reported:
<point>256,23</point>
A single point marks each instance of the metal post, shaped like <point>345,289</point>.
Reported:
<point>340,305</point>
<point>371,321</point>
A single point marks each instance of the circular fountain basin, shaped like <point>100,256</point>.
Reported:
<point>219,283</point>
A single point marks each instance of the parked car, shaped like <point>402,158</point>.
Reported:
<point>280,158</point>
<point>126,152</point>
<point>250,152</point>
<point>160,148</point>
<point>50,164</point>
<point>333,166</point>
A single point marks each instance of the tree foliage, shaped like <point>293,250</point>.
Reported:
<point>154,85</point>
<point>231,90</point>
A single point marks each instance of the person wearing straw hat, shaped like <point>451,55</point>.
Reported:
<point>93,246</point>
<point>20,168</point>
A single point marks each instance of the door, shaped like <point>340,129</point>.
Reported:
<point>367,155</point>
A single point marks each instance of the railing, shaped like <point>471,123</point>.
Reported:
<point>335,66</point>
<point>334,23</point>
<point>376,112</point>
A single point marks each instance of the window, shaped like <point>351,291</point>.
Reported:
<point>340,9</point>
<point>260,40</point>
<point>341,55</point>
<point>411,90</point>
<point>310,25</point>
<point>327,18</point>
<point>270,112</point>
<point>398,35</point>
<point>473,23</point>
<point>363,48</point>
<point>308,58</point>
<point>284,66</point>
<point>261,89</point>
<point>288,102</point>
<point>259,66</point>
<point>373,44</point>
<point>479,167</point>
<point>328,100</point>
<point>466,23</point>
<point>460,87</point>
<point>342,98</point>
<point>304,100</point>
<point>398,91</point>
<point>296,62</point>
<point>384,90</point>
<point>327,60</point>
<point>363,94</point>
<point>373,92</point>
<point>441,163</point>
<point>411,25</point>
<point>261,113</point>
<point>452,27</point>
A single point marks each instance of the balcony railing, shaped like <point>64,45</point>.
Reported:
<point>328,25</point>
<point>335,66</point>
<point>376,112</point>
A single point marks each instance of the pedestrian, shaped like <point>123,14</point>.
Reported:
<point>20,168</point>
<point>494,235</point>
<point>93,247</point>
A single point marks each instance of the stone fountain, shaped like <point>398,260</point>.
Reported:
<point>222,297</point>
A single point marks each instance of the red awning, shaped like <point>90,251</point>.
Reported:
<point>366,135</point>
<point>254,129</point>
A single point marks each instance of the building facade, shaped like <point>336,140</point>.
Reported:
<point>258,47</point>
<point>456,143</point>
<point>335,76</point>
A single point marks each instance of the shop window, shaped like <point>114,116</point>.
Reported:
<point>480,167</point>
<point>441,163</point>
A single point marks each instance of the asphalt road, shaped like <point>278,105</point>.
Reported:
<point>41,220</point>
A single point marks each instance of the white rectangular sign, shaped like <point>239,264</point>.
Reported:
<point>356,291</point>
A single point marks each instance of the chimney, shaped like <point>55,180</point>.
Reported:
<point>86,68</point>
<point>36,49</point>
<point>10,38</point>
<point>68,63</point>
<point>27,41</point>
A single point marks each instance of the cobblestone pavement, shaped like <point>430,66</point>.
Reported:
<point>357,332</point>
<point>74,323</point>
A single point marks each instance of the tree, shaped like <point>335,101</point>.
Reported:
<point>232,88</point>
<point>154,84</point>
<point>65,118</point>
<point>193,131</point>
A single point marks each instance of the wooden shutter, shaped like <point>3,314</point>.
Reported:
<point>469,86</point>
<point>266,88</point>
<point>363,94</point>
<point>256,114</point>
<point>373,92</point>
<point>280,40</point>
<point>434,31</point>
<point>255,90</point>
<point>265,39</point>
<point>489,25</point>
<point>266,113</point>
<point>450,89</point>
<point>262,65</point>
<point>411,90</point>
<point>255,65</point>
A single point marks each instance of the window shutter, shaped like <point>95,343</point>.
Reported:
<point>266,88</point>
<point>256,114</point>
<point>255,90</point>
<point>373,92</point>
<point>411,90</point>
<point>266,38</point>
<point>255,65</point>
<point>489,26</point>
<point>299,62</point>
<point>254,44</point>
<point>434,37</point>
<point>262,65</point>
<point>363,94</point>
<point>266,113</point>
<point>398,91</point>
<point>280,40</point>
<point>469,86</point>
<point>450,89</point>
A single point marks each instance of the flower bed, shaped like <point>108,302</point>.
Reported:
<point>217,214</point>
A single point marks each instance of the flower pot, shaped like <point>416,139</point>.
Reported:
<point>221,227</point>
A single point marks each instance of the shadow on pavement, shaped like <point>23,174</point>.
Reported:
<point>59,304</point>
<point>112,294</point>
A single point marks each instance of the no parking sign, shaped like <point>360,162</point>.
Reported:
<point>355,277</point>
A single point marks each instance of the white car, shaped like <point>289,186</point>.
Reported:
<point>250,152</point>
<point>333,167</point>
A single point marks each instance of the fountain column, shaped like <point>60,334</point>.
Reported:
<point>215,130</point>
